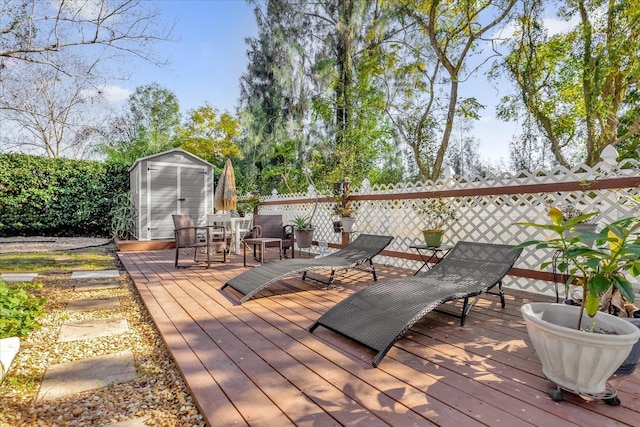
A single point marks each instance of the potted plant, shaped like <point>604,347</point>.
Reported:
<point>347,216</point>
<point>579,353</point>
<point>346,211</point>
<point>304,231</point>
<point>436,214</point>
<point>247,206</point>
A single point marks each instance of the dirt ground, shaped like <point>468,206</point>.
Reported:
<point>10,245</point>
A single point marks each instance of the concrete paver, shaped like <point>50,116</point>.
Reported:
<point>95,274</point>
<point>70,378</point>
<point>90,304</point>
<point>94,285</point>
<point>95,328</point>
<point>18,277</point>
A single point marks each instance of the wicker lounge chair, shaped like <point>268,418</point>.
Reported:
<point>361,250</point>
<point>380,315</point>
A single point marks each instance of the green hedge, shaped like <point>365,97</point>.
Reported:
<point>58,197</point>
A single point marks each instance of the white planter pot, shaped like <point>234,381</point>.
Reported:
<point>347,224</point>
<point>9,347</point>
<point>577,360</point>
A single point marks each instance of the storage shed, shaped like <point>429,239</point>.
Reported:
<point>172,182</point>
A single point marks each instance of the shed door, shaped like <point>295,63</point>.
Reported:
<point>174,189</point>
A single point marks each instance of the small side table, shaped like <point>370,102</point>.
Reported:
<point>262,241</point>
<point>427,253</point>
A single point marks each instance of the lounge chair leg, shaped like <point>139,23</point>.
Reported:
<point>501,291</point>
<point>465,309</point>
<point>373,270</point>
<point>332,277</point>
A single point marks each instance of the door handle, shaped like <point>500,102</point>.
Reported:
<point>182,200</point>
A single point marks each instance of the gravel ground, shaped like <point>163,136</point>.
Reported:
<point>158,393</point>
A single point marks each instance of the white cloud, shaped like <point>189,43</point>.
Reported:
<point>115,94</point>
<point>560,26</point>
<point>110,94</point>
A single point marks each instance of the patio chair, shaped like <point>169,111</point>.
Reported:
<point>273,226</point>
<point>219,220</point>
<point>361,250</point>
<point>188,236</point>
<point>381,314</point>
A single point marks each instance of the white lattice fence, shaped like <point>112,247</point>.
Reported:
<point>482,217</point>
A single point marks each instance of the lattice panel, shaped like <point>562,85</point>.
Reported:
<point>481,218</point>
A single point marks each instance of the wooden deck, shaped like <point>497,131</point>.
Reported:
<point>257,363</point>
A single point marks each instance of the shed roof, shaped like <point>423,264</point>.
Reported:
<point>177,151</point>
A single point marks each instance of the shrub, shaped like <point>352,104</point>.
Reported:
<point>19,309</point>
<point>58,197</point>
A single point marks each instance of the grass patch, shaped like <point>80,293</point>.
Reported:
<point>36,262</point>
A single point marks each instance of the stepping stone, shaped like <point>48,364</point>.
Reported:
<point>18,277</point>
<point>95,285</point>
<point>91,304</point>
<point>96,274</point>
<point>96,328</point>
<point>70,378</point>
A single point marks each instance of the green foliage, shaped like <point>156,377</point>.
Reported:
<point>575,83</point>
<point>210,135</point>
<point>19,309</point>
<point>123,216</point>
<point>302,223</point>
<point>149,126</point>
<point>58,196</point>
<point>436,213</point>
<point>595,268</point>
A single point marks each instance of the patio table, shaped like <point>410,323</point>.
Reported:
<point>429,252</point>
<point>261,241</point>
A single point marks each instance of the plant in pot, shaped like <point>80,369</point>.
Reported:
<point>436,213</point>
<point>247,206</point>
<point>581,347</point>
<point>346,211</point>
<point>304,231</point>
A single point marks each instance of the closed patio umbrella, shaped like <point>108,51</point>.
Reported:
<point>225,197</point>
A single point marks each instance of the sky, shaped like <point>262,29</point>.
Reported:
<point>209,57</point>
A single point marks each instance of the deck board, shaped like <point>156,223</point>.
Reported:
<point>257,363</point>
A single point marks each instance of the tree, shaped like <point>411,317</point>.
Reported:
<point>46,111</point>
<point>575,83</point>
<point>30,30</point>
<point>210,135</point>
<point>276,100</point>
<point>311,92</point>
<point>148,126</point>
<point>456,30</point>
<point>348,69</point>
<point>54,58</point>
<point>528,152</point>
